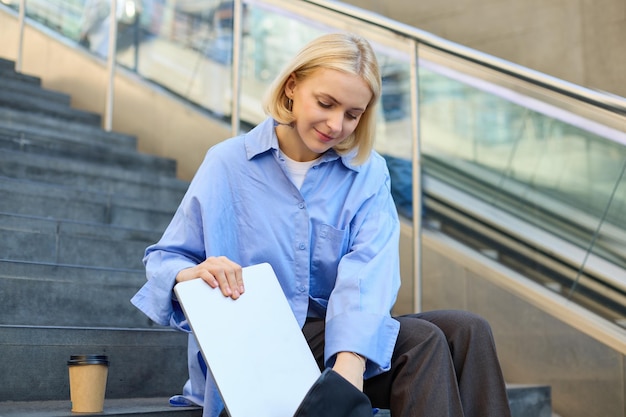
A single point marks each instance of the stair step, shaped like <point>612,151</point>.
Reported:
<point>530,400</point>
<point>27,103</point>
<point>99,153</point>
<point>11,74</point>
<point>6,64</point>
<point>135,407</point>
<point>28,238</point>
<point>83,175</point>
<point>143,362</point>
<point>159,405</point>
<point>30,89</point>
<point>42,124</point>
<point>43,294</point>
<point>39,199</point>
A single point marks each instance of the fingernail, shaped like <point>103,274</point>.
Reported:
<point>241,290</point>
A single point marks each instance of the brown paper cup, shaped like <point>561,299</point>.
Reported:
<point>88,379</point>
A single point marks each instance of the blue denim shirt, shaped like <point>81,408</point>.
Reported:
<point>333,243</point>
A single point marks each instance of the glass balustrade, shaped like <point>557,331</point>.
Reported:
<point>548,166</point>
<point>555,164</point>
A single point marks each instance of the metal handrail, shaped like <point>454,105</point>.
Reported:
<point>110,93</point>
<point>604,100</point>
<point>597,98</point>
<point>20,38</point>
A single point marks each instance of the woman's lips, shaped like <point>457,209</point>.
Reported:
<point>323,137</point>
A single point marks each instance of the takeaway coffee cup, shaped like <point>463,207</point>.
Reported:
<point>88,379</point>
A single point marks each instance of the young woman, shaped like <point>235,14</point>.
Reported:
<point>305,192</point>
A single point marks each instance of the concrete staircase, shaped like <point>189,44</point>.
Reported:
<point>78,206</point>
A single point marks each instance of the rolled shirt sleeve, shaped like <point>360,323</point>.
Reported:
<point>358,316</point>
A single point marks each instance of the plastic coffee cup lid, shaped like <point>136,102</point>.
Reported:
<point>88,360</point>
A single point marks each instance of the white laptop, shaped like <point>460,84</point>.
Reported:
<point>253,346</point>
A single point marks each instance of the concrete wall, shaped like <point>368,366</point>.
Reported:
<point>552,341</point>
<point>163,126</point>
<point>581,41</point>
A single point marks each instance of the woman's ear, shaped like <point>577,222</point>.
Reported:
<point>290,85</point>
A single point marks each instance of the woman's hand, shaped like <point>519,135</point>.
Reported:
<point>351,366</point>
<point>217,272</point>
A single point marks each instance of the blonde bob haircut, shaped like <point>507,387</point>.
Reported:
<point>348,53</point>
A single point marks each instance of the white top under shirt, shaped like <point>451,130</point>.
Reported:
<point>297,170</point>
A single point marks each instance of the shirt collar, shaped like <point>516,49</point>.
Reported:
<point>263,138</point>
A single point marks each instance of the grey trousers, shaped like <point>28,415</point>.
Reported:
<point>444,364</point>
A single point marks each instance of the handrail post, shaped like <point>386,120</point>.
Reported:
<point>417,180</point>
<point>20,40</point>
<point>236,62</point>
<point>110,91</point>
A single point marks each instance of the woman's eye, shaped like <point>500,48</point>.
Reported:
<point>351,116</point>
<point>324,105</point>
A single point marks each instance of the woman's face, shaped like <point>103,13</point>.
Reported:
<point>327,106</point>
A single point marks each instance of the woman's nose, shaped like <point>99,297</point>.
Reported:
<point>335,121</point>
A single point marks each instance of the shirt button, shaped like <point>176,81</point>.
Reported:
<point>301,288</point>
<point>302,246</point>
<point>301,205</point>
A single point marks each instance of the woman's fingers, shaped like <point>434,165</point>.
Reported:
<point>237,278</point>
<point>227,274</point>
<point>217,271</point>
<point>208,278</point>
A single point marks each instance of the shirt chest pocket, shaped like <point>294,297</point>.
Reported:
<point>329,246</point>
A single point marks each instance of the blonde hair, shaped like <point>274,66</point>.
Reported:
<point>347,53</point>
